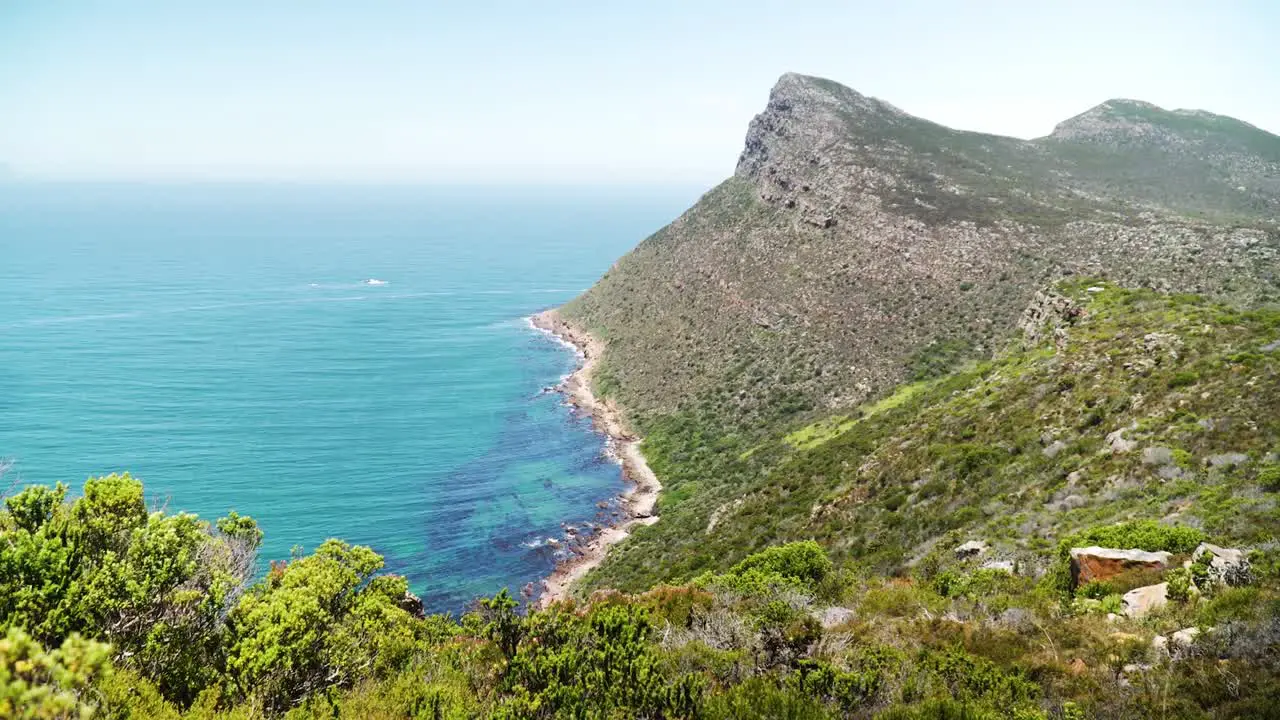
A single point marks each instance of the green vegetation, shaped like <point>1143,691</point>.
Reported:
<point>1014,450</point>
<point>785,632</point>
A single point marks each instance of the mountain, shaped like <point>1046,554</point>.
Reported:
<point>856,242</point>
<point>857,247</point>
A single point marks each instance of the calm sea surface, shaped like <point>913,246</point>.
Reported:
<point>224,344</point>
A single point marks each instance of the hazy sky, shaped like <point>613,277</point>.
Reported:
<point>569,92</point>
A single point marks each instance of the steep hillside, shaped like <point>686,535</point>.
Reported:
<point>857,245</point>
<point>1114,405</point>
<point>857,249</point>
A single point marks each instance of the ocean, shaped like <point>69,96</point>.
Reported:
<point>347,362</point>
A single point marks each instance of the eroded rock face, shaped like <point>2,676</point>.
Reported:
<point>1141,601</point>
<point>1098,563</point>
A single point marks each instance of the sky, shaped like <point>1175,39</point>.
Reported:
<point>556,92</point>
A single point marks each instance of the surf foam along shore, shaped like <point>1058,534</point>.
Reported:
<point>642,486</point>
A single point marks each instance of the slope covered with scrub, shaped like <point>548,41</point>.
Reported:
<point>1115,404</point>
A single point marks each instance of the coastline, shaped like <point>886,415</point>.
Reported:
<point>641,493</point>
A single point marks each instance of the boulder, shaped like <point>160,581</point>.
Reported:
<point>1175,644</point>
<point>1005,565</point>
<point>971,549</point>
<point>1184,638</point>
<point>1141,601</point>
<point>1229,566</point>
<point>1098,563</point>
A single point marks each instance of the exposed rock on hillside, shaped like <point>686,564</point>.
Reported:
<point>1096,563</point>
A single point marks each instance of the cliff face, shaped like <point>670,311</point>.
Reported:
<point>857,245</point>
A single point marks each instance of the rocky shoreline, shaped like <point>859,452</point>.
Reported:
<point>641,494</point>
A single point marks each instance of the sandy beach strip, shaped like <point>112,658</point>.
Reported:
<point>642,485</point>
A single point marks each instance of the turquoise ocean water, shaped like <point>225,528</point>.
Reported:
<point>224,344</point>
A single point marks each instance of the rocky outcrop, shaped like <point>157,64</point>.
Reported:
<point>412,604</point>
<point>1225,566</point>
<point>1118,443</point>
<point>833,616</point>
<point>1048,316</point>
<point>973,548</point>
<point>1097,563</point>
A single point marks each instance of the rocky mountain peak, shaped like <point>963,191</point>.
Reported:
<point>1127,121</point>
<point>807,112</point>
<point>1115,121</point>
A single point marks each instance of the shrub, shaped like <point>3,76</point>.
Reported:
<point>598,666</point>
<point>760,698</point>
<point>1146,535</point>
<point>1180,584</point>
<point>940,709</point>
<point>799,565</point>
<point>1269,478</point>
<point>35,683</point>
<point>1095,590</point>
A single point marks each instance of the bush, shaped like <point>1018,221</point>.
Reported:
<point>1096,590</point>
<point>940,709</point>
<point>799,565</point>
<point>35,683</point>
<point>760,698</point>
<point>1146,535</point>
<point>155,586</point>
<point>1180,584</point>
<point>1269,478</point>
<point>598,666</point>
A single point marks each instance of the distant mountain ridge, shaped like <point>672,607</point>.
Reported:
<point>856,242</point>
